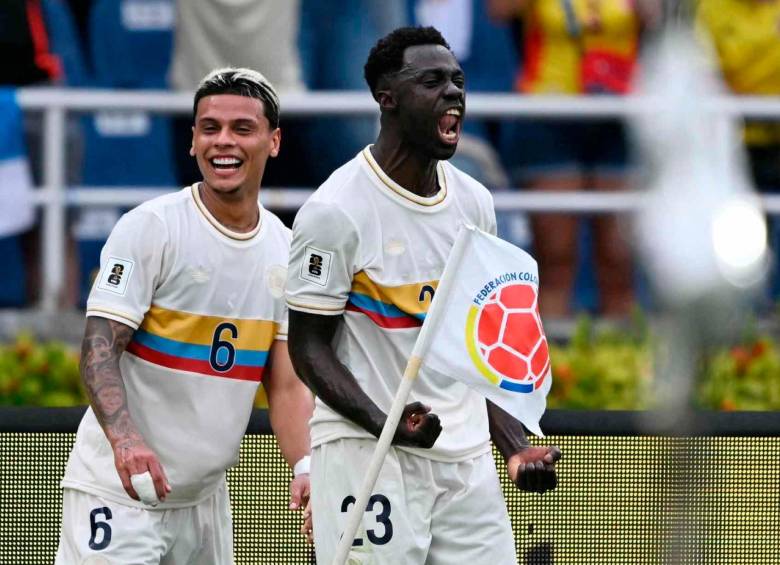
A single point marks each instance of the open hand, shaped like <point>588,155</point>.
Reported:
<point>533,468</point>
<point>417,426</point>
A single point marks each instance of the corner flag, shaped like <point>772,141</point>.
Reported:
<point>487,332</point>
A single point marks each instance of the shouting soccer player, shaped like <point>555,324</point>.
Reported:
<point>368,250</point>
<point>185,319</point>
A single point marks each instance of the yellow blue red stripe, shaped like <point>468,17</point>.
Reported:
<point>207,345</point>
<point>391,307</point>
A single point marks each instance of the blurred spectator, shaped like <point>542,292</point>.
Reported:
<point>253,33</point>
<point>80,10</point>
<point>483,46</point>
<point>573,47</point>
<point>37,49</point>
<point>65,43</point>
<point>24,45</point>
<point>746,38</point>
<point>335,38</point>
<point>258,34</point>
<point>27,59</point>
<point>57,39</point>
<point>485,50</point>
<point>16,209</point>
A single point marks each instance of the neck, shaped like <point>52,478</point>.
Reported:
<point>399,161</point>
<point>239,212</point>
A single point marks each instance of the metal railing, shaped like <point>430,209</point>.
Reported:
<point>56,103</point>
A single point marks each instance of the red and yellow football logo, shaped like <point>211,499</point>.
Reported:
<point>506,341</point>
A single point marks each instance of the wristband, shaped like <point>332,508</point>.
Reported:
<point>302,466</point>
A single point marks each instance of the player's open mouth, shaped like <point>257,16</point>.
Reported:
<point>449,126</point>
<point>226,164</point>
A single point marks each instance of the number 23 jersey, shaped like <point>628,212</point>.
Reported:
<point>206,305</point>
<point>365,247</point>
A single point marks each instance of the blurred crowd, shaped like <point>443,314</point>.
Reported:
<point>536,47</point>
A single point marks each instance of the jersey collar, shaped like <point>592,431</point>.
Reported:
<point>238,236</point>
<point>389,183</point>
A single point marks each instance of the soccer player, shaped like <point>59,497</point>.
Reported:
<point>185,319</point>
<point>368,249</point>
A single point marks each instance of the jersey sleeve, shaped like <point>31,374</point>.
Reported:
<point>490,215</point>
<point>130,268</point>
<point>323,256</point>
<point>281,332</point>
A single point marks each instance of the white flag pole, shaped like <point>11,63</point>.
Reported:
<point>399,402</point>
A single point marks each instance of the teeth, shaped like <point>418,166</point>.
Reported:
<point>449,135</point>
<point>226,161</point>
<point>453,112</point>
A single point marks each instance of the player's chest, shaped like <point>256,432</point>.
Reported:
<point>223,280</point>
<point>407,252</point>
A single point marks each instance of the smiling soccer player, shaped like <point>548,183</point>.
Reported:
<point>185,320</point>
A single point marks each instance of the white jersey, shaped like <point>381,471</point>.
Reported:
<point>206,304</point>
<point>366,247</point>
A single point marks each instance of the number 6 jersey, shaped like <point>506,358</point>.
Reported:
<point>206,304</point>
<point>365,247</point>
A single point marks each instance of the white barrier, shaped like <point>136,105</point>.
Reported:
<point>55,103</point>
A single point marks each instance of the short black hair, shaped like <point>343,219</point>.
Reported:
<point>387,55</point>
<point>243,82</point>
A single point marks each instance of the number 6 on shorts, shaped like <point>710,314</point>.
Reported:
<point>104,527</point>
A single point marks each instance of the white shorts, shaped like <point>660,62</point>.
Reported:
<point>420,511</point>
<point>96,531</point>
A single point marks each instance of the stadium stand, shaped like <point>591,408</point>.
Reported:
<point>130,48</point>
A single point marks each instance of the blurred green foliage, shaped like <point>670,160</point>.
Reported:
<point>612,369</point>
<point>609,368</point>
<point>743,377</point>
<point>39,374</point>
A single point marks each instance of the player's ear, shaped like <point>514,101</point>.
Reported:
<point>384,95</point>
<point>192,145</point>
<point>276,142</point>
<point>386,100</point>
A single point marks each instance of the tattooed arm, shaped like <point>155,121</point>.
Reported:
<point>104,342</point>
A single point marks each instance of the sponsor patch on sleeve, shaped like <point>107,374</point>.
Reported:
<point>116,275</point>
<point>316,266</point>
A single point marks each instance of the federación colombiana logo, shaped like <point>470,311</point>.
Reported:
<point>504,333</point>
